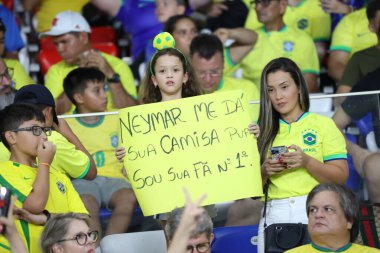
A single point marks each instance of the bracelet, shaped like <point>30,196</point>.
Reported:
<point>46,164</point>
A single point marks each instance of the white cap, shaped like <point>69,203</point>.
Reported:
<point>66,22</point>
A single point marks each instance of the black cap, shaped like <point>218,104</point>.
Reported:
<point>36,94</point>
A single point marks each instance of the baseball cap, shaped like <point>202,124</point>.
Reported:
<point>65,22</point>
<point>36,94</point>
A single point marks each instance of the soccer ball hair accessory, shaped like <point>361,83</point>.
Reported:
<point>163,40</point>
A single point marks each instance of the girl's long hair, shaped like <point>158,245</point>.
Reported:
<point>269,119</point>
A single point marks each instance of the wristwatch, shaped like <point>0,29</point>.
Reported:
<point>114,79</point>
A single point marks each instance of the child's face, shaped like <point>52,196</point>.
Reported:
<point>93,98</point>
<point>169,76</point>
<point>168,8</point>
<point>183,33</point>
<point>25,141</point>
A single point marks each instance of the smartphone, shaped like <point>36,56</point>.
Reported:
<point>277,151</point>
<point>5,201</point>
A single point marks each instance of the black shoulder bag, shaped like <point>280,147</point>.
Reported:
<point>280,237</point>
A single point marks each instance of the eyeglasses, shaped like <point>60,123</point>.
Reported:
<point>202,247</point>
<point>7,73</point>
<point>212,73</point>
<point>264,3</point>
<point>36,130</point>
<point>82,238</point>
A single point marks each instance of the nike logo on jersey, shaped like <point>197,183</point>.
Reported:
<point>27,178</point>
<point>362,34</point>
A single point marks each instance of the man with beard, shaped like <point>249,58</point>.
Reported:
<point>7,91</point>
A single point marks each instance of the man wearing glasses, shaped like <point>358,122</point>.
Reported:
<point>201,237</point>
<point>7,91</point>
<point>304,15</point>
<point>19,77</point>
<point>275,39</point>
<point>207,58</point>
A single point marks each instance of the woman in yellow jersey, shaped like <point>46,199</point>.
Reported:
<point>315,149</point>
<point>68,233</point>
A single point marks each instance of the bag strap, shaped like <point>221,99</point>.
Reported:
<point>368,228</point>
<point>266,186</point>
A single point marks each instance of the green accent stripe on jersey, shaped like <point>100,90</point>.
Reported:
<point>334,157</point>
<point>341,48</point>
<point>310,71</point>
<point>299,4</point>
<point>25,230</point>
<point>304,115</point>
<point>321,39</point>
<point>227,56</point>
<point>86,170</point>
<point>221,84</point>
<point>323,249</point>
<point>21,197</point>
<point>100,121</point>
<point>5,247</point>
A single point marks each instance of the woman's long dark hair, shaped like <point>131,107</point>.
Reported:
<point>269,118</point>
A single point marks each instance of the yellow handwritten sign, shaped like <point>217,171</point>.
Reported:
<point>201,143</point>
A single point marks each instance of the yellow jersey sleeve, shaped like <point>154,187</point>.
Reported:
<point>55,76</point>
<point>68,159</point>
<point>334,143</point>
<point>352,33</point>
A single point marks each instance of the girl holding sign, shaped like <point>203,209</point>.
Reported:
<point>169,76</point>
<point>298,149</point>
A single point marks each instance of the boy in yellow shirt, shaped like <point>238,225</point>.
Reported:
<point>85,87</point>
<point>39,189</point>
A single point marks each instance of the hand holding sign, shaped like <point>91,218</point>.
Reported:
<point>201,143</point>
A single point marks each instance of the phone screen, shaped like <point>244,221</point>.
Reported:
<point>277,151</point>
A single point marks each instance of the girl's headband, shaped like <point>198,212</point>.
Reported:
<point>162,41</point>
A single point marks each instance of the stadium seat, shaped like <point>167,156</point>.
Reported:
<point>99,34</point>
<point>321,105</point>
<point>354,181</point>
<point>140,242</point>
<point>48,57</point>
<point>242,239</point>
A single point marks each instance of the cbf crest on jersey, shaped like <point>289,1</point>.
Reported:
<point>61,187</point>
<point>114,140</point>
<point>288,46</point>
<point>309,137</point>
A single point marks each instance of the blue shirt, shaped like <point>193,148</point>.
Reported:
<point>139,20</point>
<point>13,40</point>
